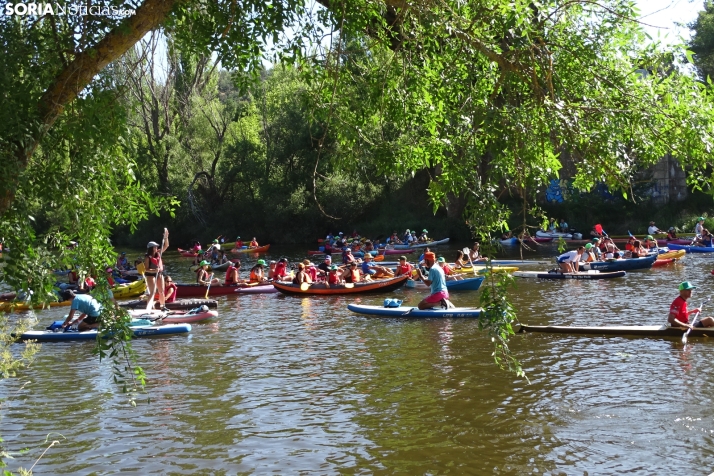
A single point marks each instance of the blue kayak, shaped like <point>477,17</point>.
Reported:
<point>414,312</point>
<point>627,264</point>
<point>691,249</point>
<point>142,331</point>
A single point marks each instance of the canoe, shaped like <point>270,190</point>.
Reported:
<point>259,249</point>
<point>137,288</point>
<point>178,304</point>
<point>141,331</point>
<point>485,269</point>
<point>19,306</point>
<point>468,284</point>
<point>213,267</point>
<point>356,254</point>
<point>627,264</point>
<point>199,290</point>
<point>175,317</point>
<point>663,262</point>
<point>672,254</point>
<point>545,234</point>
<point>431,243</point>
<point>623,331</point>
<point>691,249</point>
<point>410,312</point>
<point>376,286</point>
<point>588,275</point>
<point>189,253</point>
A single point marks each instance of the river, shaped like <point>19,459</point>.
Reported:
<point>291,385</point>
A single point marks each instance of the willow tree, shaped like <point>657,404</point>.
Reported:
<point>482,93</point>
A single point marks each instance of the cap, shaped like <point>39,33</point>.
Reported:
<point>123,253</point>
<point>596,239</point>
<point>408,230</point>
<point>402,258</point>
<point>152,244</point>
<point>333,267</point>
<point>109,270</point>
<point>686,285</point>
<point>340,233</point>
<point>700,219</point>
<point>204,263</point>
<point>424,231</point>
<point>328,258</point>
<point>671,228</point>
<point>261,261</point>
<point>441,259</point>
<point>273,262</point>
<point>649,237</point>
<point>430,256</point>
<point>348,250</point>
<point>237,237</point>
<point>651,223</point>
<point>215,241</point>
<point>588,246</point>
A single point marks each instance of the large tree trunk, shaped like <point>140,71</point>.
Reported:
<point>79,73</point>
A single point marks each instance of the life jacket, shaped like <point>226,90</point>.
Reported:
<point>229,274</point>
<point>355,274</point>
<point>255,277</point>
<point>154,264</point>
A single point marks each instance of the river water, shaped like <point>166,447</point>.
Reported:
<point>291,385</point>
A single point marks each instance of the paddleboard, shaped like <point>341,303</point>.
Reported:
<point>414,312</point>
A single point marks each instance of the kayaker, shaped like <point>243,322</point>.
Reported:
<point>637,250</point>
<point>594,233</point>
<point>170,289</point>
<point>407,235</point>
<point>650,243</point>
<point>154,267</point>
<point>589,254</point>
<point>352,274</point>
<point>448,271</point>
<point>423,238</point>
<point>281,270</point>
<point>257,272</point>
<point>403,267</point>
<point>239,243</point>
<point>507,235</point>
<point>610,249</point>
<point>461,260</point>
<point>569,261</point>
<point>272,264</point>
<point>88,309</point>
<point>671,234</point>
<point>253,243</point>
<point>563,226</point>
<point>630,245</point>
<point>652,229</point>
<point>372,270</point>
<point>324,267</point>
<point>436,282</point>
<point>704,240</point>
<point>328,247</point>
<point>202,275</point>
<point>678,313</point>
<point>552,226</point>
<point>333,277</point>
<point>301,276</point>
<point>475,253</point>
<point>310,269</point>
<point>233,274</point>
<point>347,257</point>
<point>699,226</point>
<point>122,263</point>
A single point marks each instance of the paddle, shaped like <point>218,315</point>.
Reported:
<point>684,337</point>
<point>150,304</point>
<point>210,280</point>
<point>467,252</point>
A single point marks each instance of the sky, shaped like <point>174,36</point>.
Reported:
<point>660,17</point>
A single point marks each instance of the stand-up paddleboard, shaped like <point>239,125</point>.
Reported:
<point>414,312</point>
<point>143,331</point>
<point>584,275</point>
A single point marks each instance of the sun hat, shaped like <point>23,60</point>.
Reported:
<point>430,256</point>
<point>441,259</point>
<point>261,261</point>
<point>588,246</point>
<point>686,285</point>
<point>152,244</point>
<point>204,263</point>
<point>368,255</point>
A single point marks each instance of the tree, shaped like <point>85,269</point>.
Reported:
<point>702,41</point>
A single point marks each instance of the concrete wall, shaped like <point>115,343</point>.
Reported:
<point>670,181</point>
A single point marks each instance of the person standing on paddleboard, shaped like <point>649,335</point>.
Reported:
<point>154,268</point>
<point>678,313</point>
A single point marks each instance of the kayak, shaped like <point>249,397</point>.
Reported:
<point>672,254</point>
<point>431,243</point>
<point>259,249</point>
<point>680,241</point>
<point>624,331</point>
<point>468,284</point>
<point>375,286</point>
<point>140,331</point>
<point>515,240</point>
<point>137,288</point>
<point>175,317</point>
<point>587,275</point>
<point>414,312</point>
<point>391,252</point>
<point>485,269</point>
<point>189,253</point>
<point>508,262</point>
<point>199,290</point>
<point>663,262</point>
<point>257,289</point>
<point>555,235</point>
<point>691,249</point>
<point>178,304</point>
<point>212,267</point>
<point>19,306</point>
<point>626,264</point>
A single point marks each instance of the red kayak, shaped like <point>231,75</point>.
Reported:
<point>188,253</point>
<point>259,249</point>
<point>663,262</point>
<point>199,290</point>
<point>395,252</point>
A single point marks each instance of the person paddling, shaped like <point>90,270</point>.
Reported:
<point>154,267</point>
<point>436,282</point>
<point>678,313</point>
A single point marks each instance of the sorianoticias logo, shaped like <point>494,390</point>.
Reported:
<point>41,9</point>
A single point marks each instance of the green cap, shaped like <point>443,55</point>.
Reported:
<point>588,246</point>
<point>333,267</point>
<point>686,285</point>
<point>424,231</point>
<point>596,239</point>
<point>700,219</point>
<point>649,237</point>
<point>441,259</point>
<point>215,241</point>
<point>261,261</point>
<point>237,237</point>
<point>204,263</point>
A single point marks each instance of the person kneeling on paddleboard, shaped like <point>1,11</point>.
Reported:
<point>88,309</point>
<point>570,260</point>
<point>678,313</point>
<point>437,283</point>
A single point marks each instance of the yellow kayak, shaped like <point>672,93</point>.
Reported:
<point>672,254</point>
<point>16,306</point>
<point>485,269</point>
<point>137,288</point>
